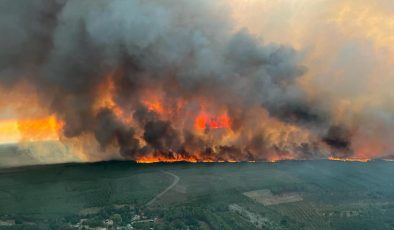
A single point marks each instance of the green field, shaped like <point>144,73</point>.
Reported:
<point>335,195</point>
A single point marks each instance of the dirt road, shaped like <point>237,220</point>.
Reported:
<point>174,182</point>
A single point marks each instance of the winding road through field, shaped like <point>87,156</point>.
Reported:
<point>174,182</point>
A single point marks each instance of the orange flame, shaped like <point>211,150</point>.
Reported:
<point>153,159</point>
<point>191,159</point>
<point>205,120</point>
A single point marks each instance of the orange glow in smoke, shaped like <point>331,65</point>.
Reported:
<point>205,120</point>
<point>154,106</point>
<point>106,92</point>
<point>9,132</point>
<point>152,99</point>
<point>42,129</point>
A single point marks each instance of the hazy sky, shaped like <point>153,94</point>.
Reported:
<point>349,53</point>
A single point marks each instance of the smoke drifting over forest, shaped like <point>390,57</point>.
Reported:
<point>186,80</point>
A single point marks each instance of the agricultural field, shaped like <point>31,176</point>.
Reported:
<point>124,195</point>
<point>265,197</point>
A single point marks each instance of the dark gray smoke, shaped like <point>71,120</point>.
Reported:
<point>67,49</point>
<point>109,130</point>
<point>161,136</point>
<point>338,137</point>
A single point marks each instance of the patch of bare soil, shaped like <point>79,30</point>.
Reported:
<point>265,197</point>
<point>90,211</point>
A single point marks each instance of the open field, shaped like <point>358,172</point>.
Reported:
<point>284,195</point>
<point>266,197</point>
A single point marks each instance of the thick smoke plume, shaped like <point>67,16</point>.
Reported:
<point>167,80</point>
